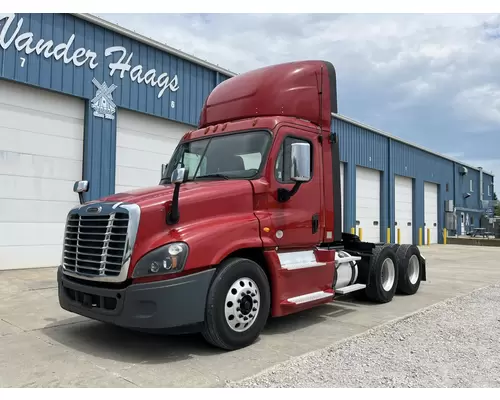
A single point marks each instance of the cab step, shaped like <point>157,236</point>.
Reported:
<point>309,297</point>
<point>351,288</point>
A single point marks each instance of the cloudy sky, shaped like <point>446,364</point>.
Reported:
<point>431,79</point>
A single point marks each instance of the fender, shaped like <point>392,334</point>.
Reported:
<point>210,240</point>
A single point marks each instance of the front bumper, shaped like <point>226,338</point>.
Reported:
<point>161,305</point>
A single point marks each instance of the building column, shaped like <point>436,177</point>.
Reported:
<point>350,195</point>
<point>99,154</point>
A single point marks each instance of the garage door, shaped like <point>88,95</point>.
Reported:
<point>403,205</point>
<point>431,211</point>
<point>342,165</point>
<point>143,144</point>
<point>368,203</point>
<point>41,151</point>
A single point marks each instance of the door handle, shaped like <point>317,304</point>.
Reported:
<point>315,223</point>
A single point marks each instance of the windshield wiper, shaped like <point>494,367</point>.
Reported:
<point>213,176</point>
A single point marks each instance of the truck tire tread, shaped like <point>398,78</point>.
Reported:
<point>403,255</point>
<point>374,290</point>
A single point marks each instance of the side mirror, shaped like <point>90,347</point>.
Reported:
<point>81,187</point>
<point>300,162</point>
<point>300,169</point>
<point>179,175</point>
<point>163,170</point>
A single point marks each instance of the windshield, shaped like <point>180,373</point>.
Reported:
<point>234,156</point>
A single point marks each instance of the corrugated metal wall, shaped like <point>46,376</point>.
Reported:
<point>195,82</point>
<point>363,147</point>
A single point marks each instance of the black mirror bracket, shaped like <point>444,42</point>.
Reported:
<point>284,194</point>
<point>173,215</point>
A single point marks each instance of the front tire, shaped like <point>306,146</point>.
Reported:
<point>383,275</point>
<point>238,304</point>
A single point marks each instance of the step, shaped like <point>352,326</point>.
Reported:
<point>351,288</point>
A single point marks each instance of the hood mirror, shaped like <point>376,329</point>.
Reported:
<point>179,175</point>
<point>81,187</point>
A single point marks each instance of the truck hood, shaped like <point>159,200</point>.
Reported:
<point>203,207</point>
<point>189,191</point>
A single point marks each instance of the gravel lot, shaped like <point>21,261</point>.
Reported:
<point>455,343</point>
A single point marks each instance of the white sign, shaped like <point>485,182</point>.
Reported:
<point>81,56</point>
<point>102,103</point>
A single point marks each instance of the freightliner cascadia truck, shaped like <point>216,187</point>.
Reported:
<point>244,225</point>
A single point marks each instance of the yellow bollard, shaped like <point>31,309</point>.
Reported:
<point>353,231</point>
<point>360,234</point>
<point>388,235</point>
<point>420,236</point>
<point>399,235</point>
<point>445,235</point>
<point>428,236</point>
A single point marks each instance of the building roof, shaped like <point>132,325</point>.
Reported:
<point>161,46</point>
<point>380,132</point>
<point>151,42</point>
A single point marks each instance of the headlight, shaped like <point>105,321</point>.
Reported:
<point>168,259</point>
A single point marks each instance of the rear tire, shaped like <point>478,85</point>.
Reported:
<point>383,275</point>
<point>238,304</point>
<point>410,270</point>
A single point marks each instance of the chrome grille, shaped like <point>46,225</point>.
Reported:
<point>95,244</point>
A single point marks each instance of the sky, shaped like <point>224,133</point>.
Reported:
<point>431,79</point>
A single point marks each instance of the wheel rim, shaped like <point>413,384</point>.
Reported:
<point>242,304</point>
<point>413,269</point>
<point>388,274</point>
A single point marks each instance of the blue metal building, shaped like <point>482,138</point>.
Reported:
<point>83,98</point>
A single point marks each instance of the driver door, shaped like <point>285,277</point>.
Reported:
<point>297,221</point>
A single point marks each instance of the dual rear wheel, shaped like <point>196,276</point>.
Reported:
<point>394,268</point>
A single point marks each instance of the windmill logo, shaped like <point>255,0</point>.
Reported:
<point>102,103</point>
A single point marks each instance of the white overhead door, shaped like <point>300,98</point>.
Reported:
<point>41,152</point>
<point>431,211</point>
<point>368,203</point>
<point>403,207</point>
<point>342,165</point>
<point>143,144</point>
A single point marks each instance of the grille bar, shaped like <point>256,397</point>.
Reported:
<point>96,245</point>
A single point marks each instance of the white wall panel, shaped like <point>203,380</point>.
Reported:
<point>403,208</point>
<point>368,203</point>
<point>143,144</point>
<point>41,152</point>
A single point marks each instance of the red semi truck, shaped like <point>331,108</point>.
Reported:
<point>244,225</point>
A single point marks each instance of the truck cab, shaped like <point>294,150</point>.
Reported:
<point>245,223</point>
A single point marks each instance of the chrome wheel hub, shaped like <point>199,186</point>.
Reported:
<point>388,274</point>
<point>242,304</point>
<point>413,269</point>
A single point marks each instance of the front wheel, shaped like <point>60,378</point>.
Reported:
<point>237,305</point>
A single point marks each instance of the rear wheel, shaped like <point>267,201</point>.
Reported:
<point>238,304</point>
<point>383,275</point>
<point>410,272</point>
